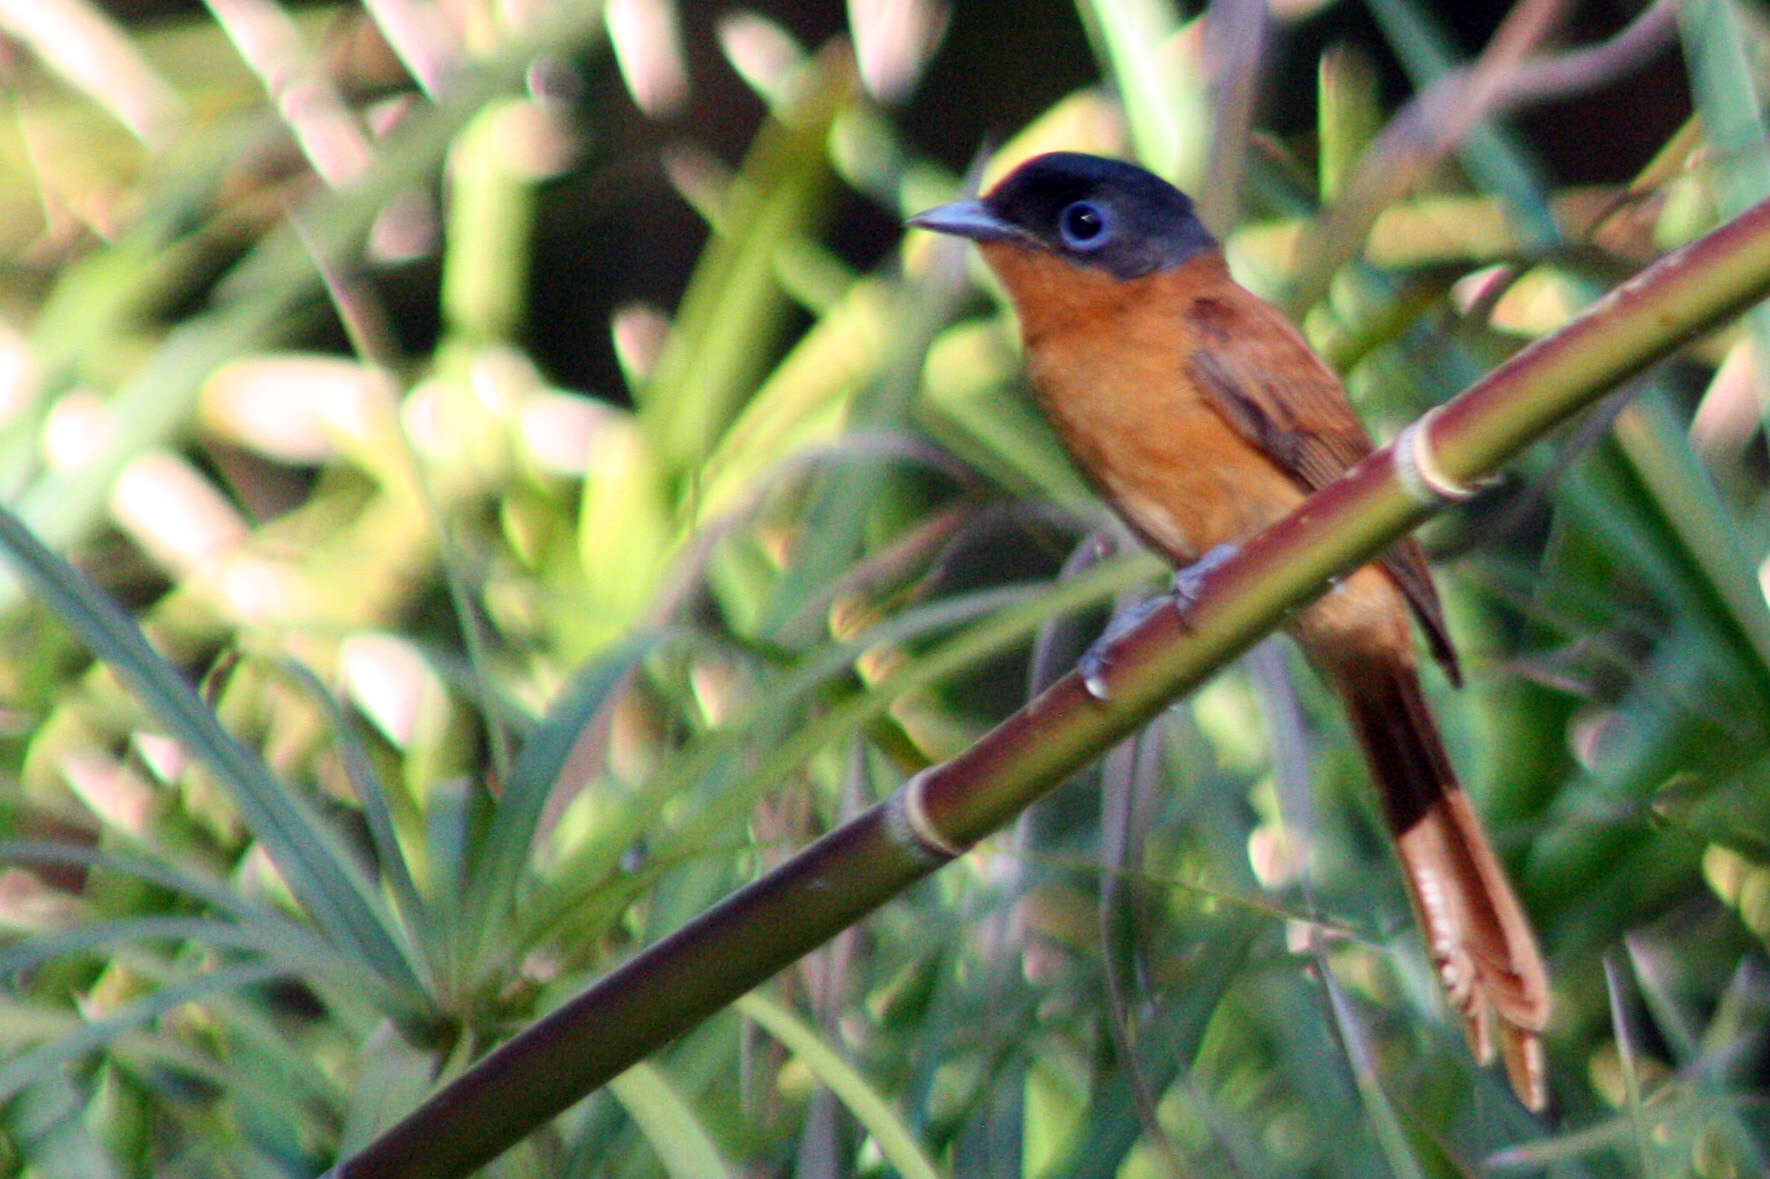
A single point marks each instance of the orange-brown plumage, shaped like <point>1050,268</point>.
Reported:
<point>1202,416</point>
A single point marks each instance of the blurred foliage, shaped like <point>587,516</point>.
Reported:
<point>467,683</point>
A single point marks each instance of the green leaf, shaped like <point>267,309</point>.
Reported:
<point>26,1069</point>
<point>1494,155</point>
<point>1725,83</point>
<point>670,1124</point>
<point>393,1077</point>
<point>1168,108</point>
<point>47,1124</point>
<point>873,1111</point>
<point>734,308</point>
<point>498,868</point>
<point>326,880</point>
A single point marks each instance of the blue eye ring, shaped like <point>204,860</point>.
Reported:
<point>1084,225</point>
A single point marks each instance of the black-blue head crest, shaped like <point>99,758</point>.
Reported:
<point>1097,212</point>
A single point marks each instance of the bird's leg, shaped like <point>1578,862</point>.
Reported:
<point>1189,580</point>
<point>1183,591</point>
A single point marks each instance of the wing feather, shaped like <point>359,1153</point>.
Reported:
<point>1305,426</point>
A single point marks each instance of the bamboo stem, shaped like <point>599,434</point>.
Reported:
<point>745,939</point>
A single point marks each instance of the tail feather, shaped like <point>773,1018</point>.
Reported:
<point>1478,934</point>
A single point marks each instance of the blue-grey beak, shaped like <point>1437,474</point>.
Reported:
<point>970,219</point>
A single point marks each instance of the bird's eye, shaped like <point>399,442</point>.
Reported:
<point>1083,225</point>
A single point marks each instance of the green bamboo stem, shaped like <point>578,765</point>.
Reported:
<point>651,999</point>
<point>739,943</point>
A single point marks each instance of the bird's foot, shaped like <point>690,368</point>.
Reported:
<point>1183,591</point>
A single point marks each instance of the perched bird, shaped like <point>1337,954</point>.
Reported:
<point>1202,416</point>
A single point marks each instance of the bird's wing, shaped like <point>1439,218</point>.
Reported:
<point>1272,388</point>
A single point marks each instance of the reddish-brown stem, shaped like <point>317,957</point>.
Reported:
<point>675,983</point>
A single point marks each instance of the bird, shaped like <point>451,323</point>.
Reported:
<point>1201,416</point>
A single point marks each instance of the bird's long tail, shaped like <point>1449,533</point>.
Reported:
<point>1480,939</point>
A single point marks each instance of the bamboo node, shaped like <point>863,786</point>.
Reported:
<point>1424,480</point>
<point>910,825</point>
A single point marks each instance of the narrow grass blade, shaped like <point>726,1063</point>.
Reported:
<point>321,874</point>
<point>257,301</point>
<point>1494,157</point>
<point>371,795</point>
<point>29,1068</point>
<point>1627,1055</point>
<point>1111,1126</point>
<point>1169,114</point>
<point>180,880</point>
<point>294,949</point>
<point>1659,451</point>
<point>1724,81</point>
<point>1725,84</point>
<point>1378,1108</point>
<point>496,871</point>
<point>733,308</point>
<point>46,1125</point>
<point>1349,114</point>
<point>845,501</point>
<point>394,1076</point>
<point>676,1132</point>
<point>872,1111</point>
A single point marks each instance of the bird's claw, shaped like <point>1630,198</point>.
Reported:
<point>1183,591</point>
<point>1095,660</point>
<point>1189,582</point>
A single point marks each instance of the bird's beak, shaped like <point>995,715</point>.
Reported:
<point>970,219</point>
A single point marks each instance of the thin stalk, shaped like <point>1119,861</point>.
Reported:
<point>756,931</point>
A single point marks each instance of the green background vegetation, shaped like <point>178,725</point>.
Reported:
<point>557,498</point>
